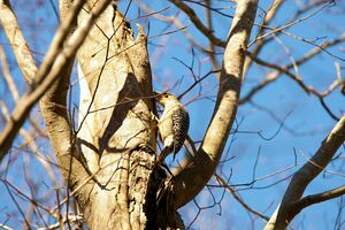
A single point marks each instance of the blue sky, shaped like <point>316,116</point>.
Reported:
<point>284,98</point>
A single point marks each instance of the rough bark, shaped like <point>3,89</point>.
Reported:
<point>116,132</point>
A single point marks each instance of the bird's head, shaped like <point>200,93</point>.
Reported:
<point>165,97</point>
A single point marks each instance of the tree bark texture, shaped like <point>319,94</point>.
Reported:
<point>116,132</point>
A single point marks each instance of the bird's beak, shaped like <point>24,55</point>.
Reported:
<point>156,94</point>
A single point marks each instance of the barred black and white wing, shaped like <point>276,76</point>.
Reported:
<point>173,125</point>
<point>180,122</point>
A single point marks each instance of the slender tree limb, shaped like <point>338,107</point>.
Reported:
<point>18,43</point>
<point>58,63</point>
<point>223,183</point>
<point>274,75</point>
<point>302,178</point>
<point>76,219</point>
<point>34,76</point>
<point>191,180</point>
<point>59,53</point>
<point>31,143</point>
<point>27,197</point>
<point>307,89</point>
<point>2,226</point>
<point>298,79</point>
<point>7,75</point>
<point>211,46</point>
<point>319,197</point>
<point>198,23</point>
<point>292,23</point>
<point>271,13</point>
<point>169,20</point>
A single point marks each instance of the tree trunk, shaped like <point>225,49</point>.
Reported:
<point>116,132</point>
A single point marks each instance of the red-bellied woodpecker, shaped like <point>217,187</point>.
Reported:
<point>173,125</point>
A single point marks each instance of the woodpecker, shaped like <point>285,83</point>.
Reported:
<point>173,124</point>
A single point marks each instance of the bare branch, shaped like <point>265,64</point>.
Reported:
<point>2,226</point>
<point>290,24</point>
<point>198,23</point>
<point>7,75</point>
<point>276,4</point>
<point>319,197</point>
<point>233,192</point>
<point>191,180</point>
<point>32,145</point>
<point>298,79</point>
<point>274,75</point>
<point>18,43</point>
<point>302,178</point>
<point>72,218</point>
<point>57,56</point>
